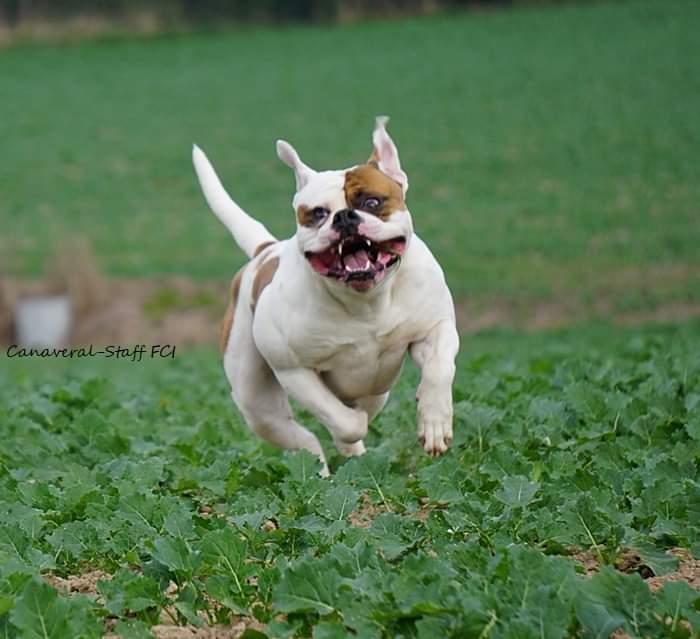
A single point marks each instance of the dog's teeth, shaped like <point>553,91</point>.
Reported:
<point>340,248</point>
<point>367,242</point>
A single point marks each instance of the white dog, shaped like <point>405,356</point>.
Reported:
<point>327,316</point>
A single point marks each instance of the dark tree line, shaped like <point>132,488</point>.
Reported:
<point>16,12</point>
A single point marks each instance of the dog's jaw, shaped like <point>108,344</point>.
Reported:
<point>357,261</point>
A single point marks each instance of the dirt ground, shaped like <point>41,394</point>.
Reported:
<point>185,312</point>
<point>86,584</point>
<point>179,310</point>
<point>629,561</point>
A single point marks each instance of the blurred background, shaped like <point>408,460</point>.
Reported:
<point>553,150</point>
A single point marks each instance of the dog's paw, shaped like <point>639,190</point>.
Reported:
<point>435,435</point>
<point>351,450</point>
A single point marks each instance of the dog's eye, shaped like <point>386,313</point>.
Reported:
<point>319,214</point>
<point>371,203</point>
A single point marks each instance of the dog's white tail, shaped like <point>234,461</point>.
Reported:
<point>248,233</point>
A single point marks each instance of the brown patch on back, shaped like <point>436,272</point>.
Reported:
<point>261,247</point>
<point>227,324</point>
<point>263,276</point>
<point>366,181</point>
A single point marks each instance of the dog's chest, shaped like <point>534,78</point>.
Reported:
<point>362,369</point>
<point>361,364</point>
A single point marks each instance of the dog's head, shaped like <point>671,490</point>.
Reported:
<point>353,224</point>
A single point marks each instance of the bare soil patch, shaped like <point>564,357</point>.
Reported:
<point>605,302</point>
<point>688,571</point>
<point>233,631</point>
<point>185,312</point>
<point>85,584</point>
<point>165,310</point>
<point>629,561</point>
<point>367,511</point>
<point>178,310</point>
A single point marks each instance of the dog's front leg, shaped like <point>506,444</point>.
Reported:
<point>435,355</point>
<point>348,426</point>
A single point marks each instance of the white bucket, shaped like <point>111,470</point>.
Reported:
<point>43,321</point>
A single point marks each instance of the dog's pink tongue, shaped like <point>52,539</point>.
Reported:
<point>357,261</point>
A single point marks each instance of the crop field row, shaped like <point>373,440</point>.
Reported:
<point>552,153</point>
<point>133,500</point>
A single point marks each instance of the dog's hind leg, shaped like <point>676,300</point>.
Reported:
<point>264,403</point>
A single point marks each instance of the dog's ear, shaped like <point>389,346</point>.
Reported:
<point>302,173</point>
<point>385,155</point>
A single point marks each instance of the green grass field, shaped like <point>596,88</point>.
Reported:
<point>569,447</point>
<point>552,153</point>
<point>553,156</point>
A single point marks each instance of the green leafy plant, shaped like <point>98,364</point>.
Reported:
<point>573,454</point>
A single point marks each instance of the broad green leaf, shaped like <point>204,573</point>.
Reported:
<point>433,627</point>
<point>303,465</point>
<point>176,554</point>
<point>611,600</point>
<point>224,548</point>
<point>587,401</point>
<point>39,613</point>
<point>179,524</point>
<point>393,535</point>
<point>128,591</point>
<point>330,630</point>
<point>517,491</point>
<point>7,630</point>
<point>339,502</point>
<point>6,602</point>
<point>659,561</point>
<point>441,481</point>
<point>76,538</point>
<point>678,602</point>
<point>693,426</point>
<point>228,591</point>
<point>310,585</point>
<point>352,560</point>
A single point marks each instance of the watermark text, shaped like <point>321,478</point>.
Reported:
<point>135,353</point>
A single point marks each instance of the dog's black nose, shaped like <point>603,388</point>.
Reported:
<point>346,221</point>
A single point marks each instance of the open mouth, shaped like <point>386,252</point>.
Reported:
<point>357,260</point>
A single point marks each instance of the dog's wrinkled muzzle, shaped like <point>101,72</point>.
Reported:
<point>346,222</point>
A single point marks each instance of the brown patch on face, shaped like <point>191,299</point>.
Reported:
<point>305,215</point>
<point>261,247</point>
<point>368,181</point>
<point>263,276</point>
<point>227,323</point>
